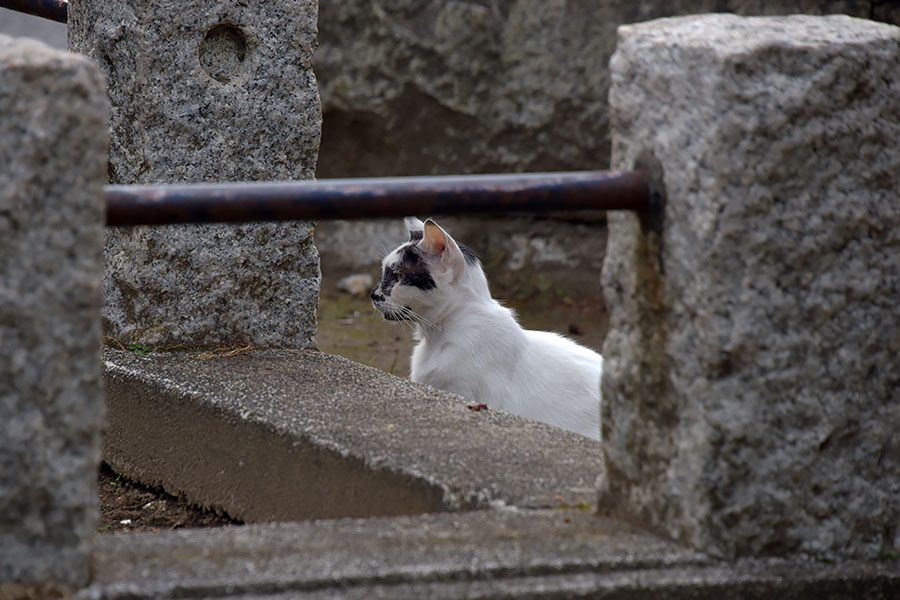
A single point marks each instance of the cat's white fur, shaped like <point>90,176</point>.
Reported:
<point>472,346</point>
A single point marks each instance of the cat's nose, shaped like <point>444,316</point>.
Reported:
<point>375,296</point>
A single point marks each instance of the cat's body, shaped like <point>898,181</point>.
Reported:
<point>472,346</point>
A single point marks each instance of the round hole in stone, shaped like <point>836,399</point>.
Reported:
<point>223,52</point>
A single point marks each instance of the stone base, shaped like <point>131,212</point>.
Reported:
<point>184,286</point>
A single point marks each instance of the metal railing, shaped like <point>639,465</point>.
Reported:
<point>374,198</point>
<point>55,10</point>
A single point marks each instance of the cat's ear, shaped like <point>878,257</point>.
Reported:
<point>416,228</point>
<point>439,245</point>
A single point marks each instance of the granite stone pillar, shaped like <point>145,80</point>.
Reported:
<point>752,371</point>
<point>201,91</point>
<point>53,126</point>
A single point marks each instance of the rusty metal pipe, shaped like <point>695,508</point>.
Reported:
<point>55,10</point>
<point>374,198</point>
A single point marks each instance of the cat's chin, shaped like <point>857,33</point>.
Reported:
<point>395,316</point>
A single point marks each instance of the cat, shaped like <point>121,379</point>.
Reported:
<point>471,345</point>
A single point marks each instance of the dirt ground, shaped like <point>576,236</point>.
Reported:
<point>128,506</point>
<point>350,327</point>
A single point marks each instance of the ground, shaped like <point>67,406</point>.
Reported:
<point>128,506</point>
<point>350,327</point>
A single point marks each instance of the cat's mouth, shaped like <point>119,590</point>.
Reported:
<point>393,314</point>
<point>396,316</point>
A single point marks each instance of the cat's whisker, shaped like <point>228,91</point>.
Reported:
<point>409,321</point>
<point>402,313</point>
<point>408,324</point>
<point>426,322</point>
<point>420,319</point>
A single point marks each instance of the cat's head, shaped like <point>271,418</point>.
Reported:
<point>426,276</point>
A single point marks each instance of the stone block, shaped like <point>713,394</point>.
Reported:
<point>752,376</point>
<point>415,87</point>
<point>53,123</point>
<point>208,91</point>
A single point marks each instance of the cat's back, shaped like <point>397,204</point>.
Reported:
<point>554,346</point>
<point>559,383</point>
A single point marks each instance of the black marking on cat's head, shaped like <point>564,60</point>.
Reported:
<point>389,277</point>
<point>469,254</point>
<point>416,228</point>
<point>423,281</point>
<point>411,257</point>
<point>413,270</point>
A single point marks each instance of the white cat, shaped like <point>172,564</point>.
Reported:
<point>472,346</point>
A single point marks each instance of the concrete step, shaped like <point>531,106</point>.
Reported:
<point>480,554</point>
<point>424,552</point>
<point>282,435</point>
<point>289,435</point>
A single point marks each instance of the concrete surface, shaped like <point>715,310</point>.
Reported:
<point>752,377</point>
<point>16,24</point>
<point>208,90</point>
<point>287,435</point>
<point>53,140</point>
<point>483,554</point>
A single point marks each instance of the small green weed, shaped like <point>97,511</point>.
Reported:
<point>138,348</point>
<point>577,506</point>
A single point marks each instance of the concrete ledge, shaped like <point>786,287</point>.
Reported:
<point>484,554</point>
<point>291,435</point>
<point>424,550</point>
